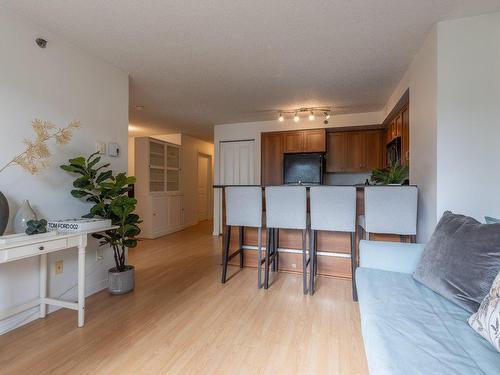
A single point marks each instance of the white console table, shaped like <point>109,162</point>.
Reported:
<point>40,247</point>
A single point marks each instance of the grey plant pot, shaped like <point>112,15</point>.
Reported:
<point>4,213</point>
<point>121,282</point>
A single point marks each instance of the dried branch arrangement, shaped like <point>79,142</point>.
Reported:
<point>36,155</point>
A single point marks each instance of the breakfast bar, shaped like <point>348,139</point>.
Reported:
<point>334,248</point>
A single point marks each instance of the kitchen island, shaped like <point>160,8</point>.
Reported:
<point>334,248</point>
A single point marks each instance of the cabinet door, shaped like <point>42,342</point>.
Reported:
<point>336,151</point>
<point>405,137</point>
<point>314,140</point>
<point>160,214</point>
<point>294,141</point>
<point>272,159</point>
<point>174,212</point>
<point>355,159</point>
<point>373,149</point>
<point>398,125</point>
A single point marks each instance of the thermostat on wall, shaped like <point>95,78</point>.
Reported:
<point>113,149</point>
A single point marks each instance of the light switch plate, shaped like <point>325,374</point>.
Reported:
<point>113,149</point>
<point>58,266</point>
<point>100,147</point>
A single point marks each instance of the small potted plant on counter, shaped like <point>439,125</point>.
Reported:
<point>109,195</point>
<point>396,174</point>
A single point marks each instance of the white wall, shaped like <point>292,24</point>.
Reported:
<point>468,147</point>
<point>421,79</point>
<point>253,130</point>
<point>190,148</point>
<point>60,84</point>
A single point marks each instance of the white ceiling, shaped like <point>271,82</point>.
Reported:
<point>195,63</point>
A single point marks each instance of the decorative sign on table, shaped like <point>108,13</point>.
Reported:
<point>78,225</point>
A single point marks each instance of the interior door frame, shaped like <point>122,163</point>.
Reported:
<point>209,192</point>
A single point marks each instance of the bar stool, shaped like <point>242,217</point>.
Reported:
<point>286,208</point>
<point>390,210</point>
<point>333,209</point>
<point>243,209</point>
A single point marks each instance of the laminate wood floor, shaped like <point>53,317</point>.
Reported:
<point>181,320</point>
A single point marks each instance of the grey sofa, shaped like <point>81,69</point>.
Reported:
<point>407,328</point>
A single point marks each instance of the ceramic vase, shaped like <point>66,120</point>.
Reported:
<point>23,215</point>
<point>4,213</point>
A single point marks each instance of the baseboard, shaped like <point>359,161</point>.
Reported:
<point>33,313</point>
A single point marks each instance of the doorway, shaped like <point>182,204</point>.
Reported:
<point>204,188</point>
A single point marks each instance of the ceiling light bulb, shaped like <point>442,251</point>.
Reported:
<point>296,118</point>
<point>281,118</point>
<point>311,116</point>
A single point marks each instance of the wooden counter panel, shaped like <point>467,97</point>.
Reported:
<point>290,262</point>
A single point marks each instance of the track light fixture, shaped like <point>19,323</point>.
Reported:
<point>296,114</point>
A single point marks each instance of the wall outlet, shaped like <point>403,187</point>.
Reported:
<point>58,266</point>
<point>100,147</point>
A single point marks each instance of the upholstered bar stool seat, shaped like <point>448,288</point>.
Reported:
<point>390,210</point>
<point>286,208</point>
<point>332,208</point>
<point>243,209</point>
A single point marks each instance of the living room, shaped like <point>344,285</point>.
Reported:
<point>250,187</point>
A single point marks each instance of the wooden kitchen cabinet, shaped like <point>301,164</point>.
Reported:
<point>355,151</point>
<point>313,140</point>
<point>405,137</point>
<point>294,141</point>
<point>337,151</point>
<point>272,145</point>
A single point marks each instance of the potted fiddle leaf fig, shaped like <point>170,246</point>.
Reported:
<point>396,174</point>
<point>109,195</point>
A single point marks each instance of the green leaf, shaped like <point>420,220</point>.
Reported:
<point>79,193</point>
<point>73,169</point>
<point>131,180</point>
<point>103,177</point>
<point>93,162</point>
<point>78,161</point>
<point>92,155</point>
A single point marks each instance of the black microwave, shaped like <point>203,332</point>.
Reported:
<point>394,152</point>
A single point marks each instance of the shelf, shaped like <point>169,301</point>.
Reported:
<point>157,153</point>
<point>156,167</point>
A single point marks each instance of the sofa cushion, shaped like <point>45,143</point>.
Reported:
<point>486,321</point>
<point>491,220</point>
<point>408,329</point>
<point>461,260</point>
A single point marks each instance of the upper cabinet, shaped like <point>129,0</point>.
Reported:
<point>354,151</point>
<point>272,145</point>
<point>313,140</point>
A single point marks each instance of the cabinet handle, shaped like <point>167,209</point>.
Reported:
<point>41,248</point>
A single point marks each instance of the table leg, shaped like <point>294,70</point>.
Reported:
<point>43,285</point>
<point>81,286</point>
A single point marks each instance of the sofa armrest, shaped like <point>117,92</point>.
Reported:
<point>390,256</point>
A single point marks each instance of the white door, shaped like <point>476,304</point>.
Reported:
<point>203,174</point>
<point>237,163</point>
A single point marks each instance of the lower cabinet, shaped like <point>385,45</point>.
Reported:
<point>161,214</point>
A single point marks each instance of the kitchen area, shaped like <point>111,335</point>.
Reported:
<point>324,156</point>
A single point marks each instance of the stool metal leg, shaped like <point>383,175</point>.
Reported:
<point>275,249</point>
<point>240,245</point>
<point>312,256</point>
<point>353,267</point>
<point>266,262</point>
<point>315,237</point>
<point>259,261</point>
<point>276,244</point>
<point>304,261</point>
<point>226,253</point>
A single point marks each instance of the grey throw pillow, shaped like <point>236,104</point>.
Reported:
<point>461,260</point>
